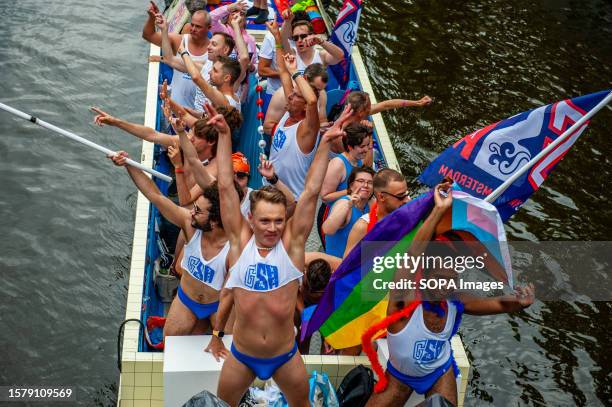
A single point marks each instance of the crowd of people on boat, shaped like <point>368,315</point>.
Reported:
<point>241,253</point>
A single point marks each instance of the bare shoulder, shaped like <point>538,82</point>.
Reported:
<point>360,227</point>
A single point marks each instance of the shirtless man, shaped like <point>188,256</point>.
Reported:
<point>432,321</point>
<point>205,254</point>
<point>195,43</point>
<point>266,260</point>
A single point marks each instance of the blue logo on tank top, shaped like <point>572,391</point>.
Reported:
<point>279,140</point>
<point>261,277</point>
<point>428,350</point>
<point>200,271</point>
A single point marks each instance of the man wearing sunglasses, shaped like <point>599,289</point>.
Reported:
<point>391,192</point>
<point>302,34</point>
<point>316,75</point>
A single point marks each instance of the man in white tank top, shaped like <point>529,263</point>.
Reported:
<point>219,88</point>
<point>266,260</point>
<point>391,192</point>
<point>302,34</point>
<point>295,137</point>
<point>195,43</point>
<point>317,77</point>
<point>420,352</point>
<point>220,45</point>
<point>204,257</point>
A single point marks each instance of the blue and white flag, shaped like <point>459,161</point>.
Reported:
<point>484,159</point>
<point>344,36</point>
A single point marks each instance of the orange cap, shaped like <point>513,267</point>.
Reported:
<point>240,163</point>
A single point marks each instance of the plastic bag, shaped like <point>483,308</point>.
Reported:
<point>322,393</point>
<point>205,399</point>
<point>269,396</point>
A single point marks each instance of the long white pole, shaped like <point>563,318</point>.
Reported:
<point>500,189</point>
<point>81,140</point>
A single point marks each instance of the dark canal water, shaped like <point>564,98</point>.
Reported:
<point>66,215</point>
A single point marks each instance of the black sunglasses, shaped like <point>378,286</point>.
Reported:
<point>400,197</point>
<point>298,37</point>
<point>242,175</point>
<point>197,210</point>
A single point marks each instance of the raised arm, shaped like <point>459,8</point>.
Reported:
<point>397,103</point>
<point>149,33</point>
<point>332,55</point>
<point>286,29</point>
<point>285,76</point>
<point>217,15</point>
<point>212,93</point>
<point>138,130</point>
<point>168,49</point>
<point>242,50</point>
<point>231,216</point>
<point>180,111</point>
<point>322,106</point>
<point>200,174</point>
<point>443,198</point>
<point>301,223</point>
<point>308,130</point>
<point>522,298</point>
<point>265,63</point>
<point>266,169</point>
<point>175,214</point>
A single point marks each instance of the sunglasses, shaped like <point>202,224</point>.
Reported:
<point>241,175</point>
<point>400,197</point>
<point>298,37</point>
<point>197,210</point>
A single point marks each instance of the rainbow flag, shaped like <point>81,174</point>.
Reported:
<point>351,304</point>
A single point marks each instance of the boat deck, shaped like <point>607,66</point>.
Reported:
<point>142,373</point>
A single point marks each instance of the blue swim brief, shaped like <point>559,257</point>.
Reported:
<point>264,368</point>
<point>422,384</point>
<point>200,310</point>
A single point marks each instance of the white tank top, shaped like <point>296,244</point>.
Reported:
<point>245,205</point>
<point>366,217</point>
<point>200,98</point>
<point>210,272</point>
<point>290,163</point>
<point>183,88</point>
<point>301,65</point>
<point>255,273</point>
<point>415,350</point>
<point>233,102</point>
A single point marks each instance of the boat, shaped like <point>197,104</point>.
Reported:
<point>150,377</point>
